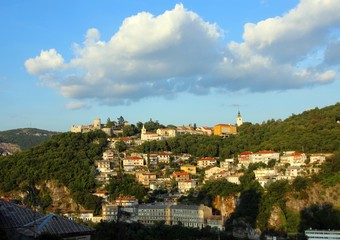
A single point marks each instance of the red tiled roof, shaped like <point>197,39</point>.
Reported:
<point>245,153</point>
<point>133,158</point>
<point>297,154</point>
<point>151,133</point>
<point>224,125</point>
<point>207,159</point>
<point>180,173</point>
<point>265,152</point>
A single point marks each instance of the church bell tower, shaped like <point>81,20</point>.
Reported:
<point>239,120</point>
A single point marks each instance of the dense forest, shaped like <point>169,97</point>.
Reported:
<point>67,157</point>
<point>312,131</point>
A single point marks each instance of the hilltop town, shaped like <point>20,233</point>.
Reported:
<point>191,176</point>
<point>178,175</point>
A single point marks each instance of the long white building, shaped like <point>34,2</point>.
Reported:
<point>322,234</point>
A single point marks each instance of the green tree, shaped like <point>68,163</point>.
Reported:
<point>109,123</point>
<point>120,121</point>
<point>125,185</point>
<point>120,146</point>
<point>129,130</point>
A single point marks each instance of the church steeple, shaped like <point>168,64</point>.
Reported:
<point>143,130</point>
<point>239,120</point>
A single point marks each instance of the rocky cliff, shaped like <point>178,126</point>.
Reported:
<point>298,202</point>
<point>226,205</point>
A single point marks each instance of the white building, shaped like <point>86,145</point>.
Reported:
<point>264,156</point>
<point>185,186</point>
<point>108,155</point>
<point>164,157</point>
<point>227,164</point>
<point>104,166</point>
<point>166,132</point>
<point>322,234</point>
<point>212,171</point>
<point>317,158</point>
<point>234,178</point>
<point>206,162</point>
<point>264,172</point>
<point>294,171</point>
<point>293,158</point>
<point>132,162</point>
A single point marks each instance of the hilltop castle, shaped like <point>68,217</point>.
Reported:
<point>97,125</point>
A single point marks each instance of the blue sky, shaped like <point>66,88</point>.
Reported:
<point>65,63</point>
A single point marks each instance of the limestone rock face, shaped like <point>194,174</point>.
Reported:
<point>317,194</point>
<point>61,197</point>
<point>9,148</point>
<point>277,219</point>
<point>226,205</point>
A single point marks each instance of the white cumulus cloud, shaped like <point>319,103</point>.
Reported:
<point>178,51</point>
<point>76,105</point>
<point>46,61</point>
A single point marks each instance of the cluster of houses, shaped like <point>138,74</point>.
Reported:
<point>288,166</point>
<point>162,133</point>
<point>185,175</point>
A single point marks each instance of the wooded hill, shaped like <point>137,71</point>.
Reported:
<point>312,131</point>
<point>68,158</point>
<point>25,137</point>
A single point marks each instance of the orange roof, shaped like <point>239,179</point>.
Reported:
<point>297,154</point>
<point>207,159</point>
<point>149,174</point>
<point>245,153</point>
<point>265,152</point>
<point>151,133</point>
<point>180,173</point>
<point>224,125</point>
<point>190,180</point>
<point>133,158</point>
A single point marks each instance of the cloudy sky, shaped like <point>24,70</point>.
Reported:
<point>65,62</point>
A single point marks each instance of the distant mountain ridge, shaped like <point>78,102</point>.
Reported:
<point>25,138</point>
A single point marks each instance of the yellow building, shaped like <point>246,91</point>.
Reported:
<point>224,129</point>
<point>189,169</point>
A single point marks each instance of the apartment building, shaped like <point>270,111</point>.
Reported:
<point>188,215</point>
<point>224,130</point>
<point>264,156</point>
<point>206,162</point>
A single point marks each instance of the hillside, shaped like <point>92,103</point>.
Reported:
<point>25,138</point>
<point>60,172</point>
<point>66,158</point>
<point>312,131</point>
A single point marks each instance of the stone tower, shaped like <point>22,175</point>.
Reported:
<point>97,123</point>
<point>239,120</point>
